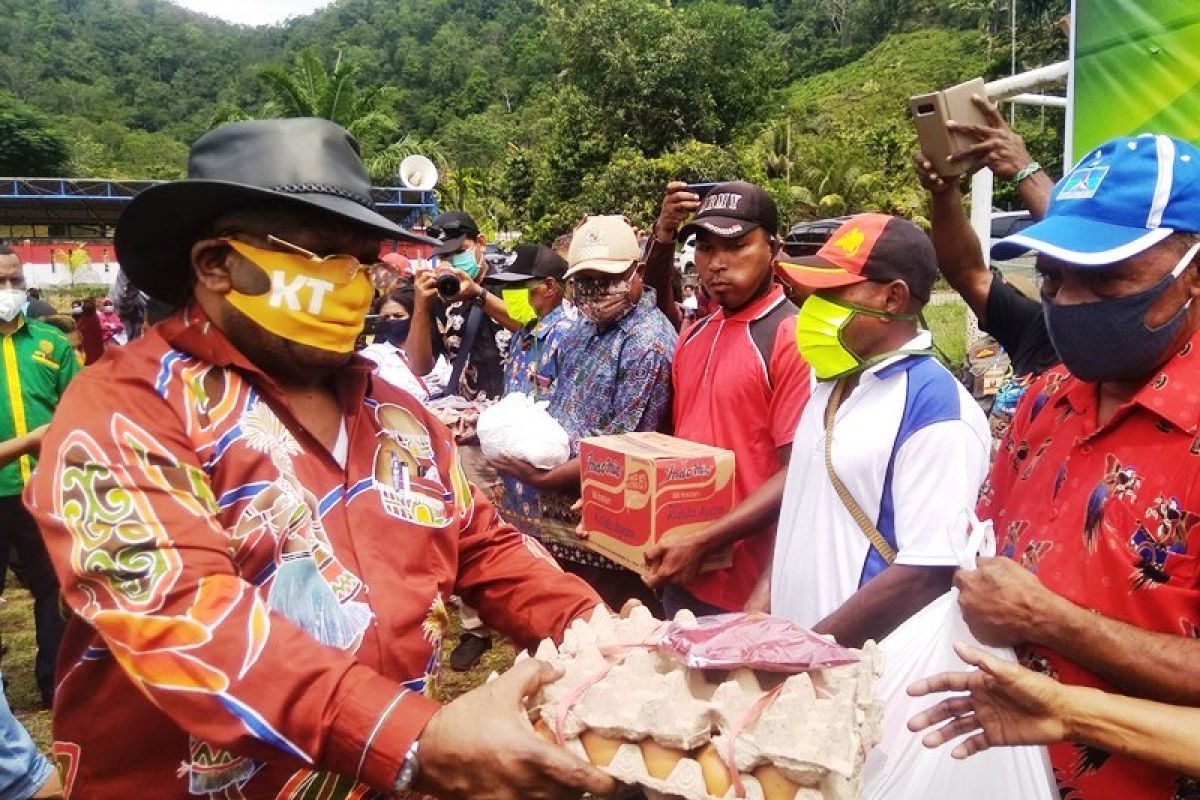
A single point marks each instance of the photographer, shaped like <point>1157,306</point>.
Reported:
<point>454,316</point>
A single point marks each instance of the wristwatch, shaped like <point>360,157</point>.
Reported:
<point>481,298</point>
<point>409,770</point>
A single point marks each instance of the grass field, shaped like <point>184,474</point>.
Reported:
<point>948,322</point>
<point>16,621</point>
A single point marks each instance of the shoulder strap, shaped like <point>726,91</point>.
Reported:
<point>860,518</point>
<point>470,332</point>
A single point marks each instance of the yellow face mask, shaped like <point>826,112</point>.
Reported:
<point>516,303</point>
<point>319,302</point>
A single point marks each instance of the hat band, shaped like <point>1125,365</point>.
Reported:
<point>324,188</point>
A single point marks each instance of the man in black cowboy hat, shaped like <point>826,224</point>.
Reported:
<point>256,538</point>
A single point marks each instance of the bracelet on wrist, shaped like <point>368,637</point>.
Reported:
<point>409,770</point>
<point>1026,171</point>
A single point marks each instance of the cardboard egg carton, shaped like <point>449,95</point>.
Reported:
<point>646,719</point>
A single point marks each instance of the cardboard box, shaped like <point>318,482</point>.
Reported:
<point>641,487</point>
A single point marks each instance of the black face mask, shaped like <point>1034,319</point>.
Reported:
<point>394,331</point>
<point>1108,340</point>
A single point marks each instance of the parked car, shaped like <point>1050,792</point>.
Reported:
<point>1006,223</point>
<point>805,238</point>
<point>685,259</point>
<point>495,257</point>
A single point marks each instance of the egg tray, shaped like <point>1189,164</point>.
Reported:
<point>645,719</point>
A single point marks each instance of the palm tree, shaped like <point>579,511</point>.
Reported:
<point>384,165</point>
<point>308,89</point>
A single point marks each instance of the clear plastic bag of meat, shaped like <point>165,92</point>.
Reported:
<point>751,641</point>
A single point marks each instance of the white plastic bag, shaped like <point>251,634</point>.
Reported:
<point>520,428</point>
<point>901,767</point>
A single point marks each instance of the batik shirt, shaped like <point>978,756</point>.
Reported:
<point>253,616</point>
<point>534,357</point>
<point>535,352</point>
<point>615,380</point>
<point>1106,516</point>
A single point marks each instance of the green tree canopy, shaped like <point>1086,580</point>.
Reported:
<point>30,145</point>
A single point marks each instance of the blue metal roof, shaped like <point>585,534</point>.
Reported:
<point>97,201</point>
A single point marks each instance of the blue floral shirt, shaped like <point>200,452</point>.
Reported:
<point>611,381</point>
<point>535,354</point>
<point>617,380</point>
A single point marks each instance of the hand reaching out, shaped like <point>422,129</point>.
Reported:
<point>1005,704</point>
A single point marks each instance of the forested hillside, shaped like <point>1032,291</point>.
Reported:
<point>536,110</point>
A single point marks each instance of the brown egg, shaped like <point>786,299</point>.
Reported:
<point>543,730</point>
<point>716,774</point>
<point>775,785</point>
<point>660,760</point>
<point>601,750</point>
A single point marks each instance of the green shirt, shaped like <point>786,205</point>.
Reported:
<point>38,363</point>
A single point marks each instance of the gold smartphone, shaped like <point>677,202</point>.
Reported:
<point>931,112</point>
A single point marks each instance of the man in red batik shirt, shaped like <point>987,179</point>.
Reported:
<point>1095,492</point>
<point>256,538</point>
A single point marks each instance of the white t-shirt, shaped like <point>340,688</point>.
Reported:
<point>391,366</point>
<point>911,445</point>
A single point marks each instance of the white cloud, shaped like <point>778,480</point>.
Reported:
<point>253,12</point>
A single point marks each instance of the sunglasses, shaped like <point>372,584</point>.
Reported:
<point>382,275</point>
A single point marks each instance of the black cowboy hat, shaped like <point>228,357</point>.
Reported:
<point>311,163</point>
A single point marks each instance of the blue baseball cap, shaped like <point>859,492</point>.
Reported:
<point>1121,199</point>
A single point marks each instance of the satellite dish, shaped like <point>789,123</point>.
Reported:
<point>418,172</point>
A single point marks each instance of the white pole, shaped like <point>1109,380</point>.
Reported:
<point>1069,128</point>
<point>1004,88</point>
<point>1043,100</point>
<point>981,221</point>
<point>1012,109</point>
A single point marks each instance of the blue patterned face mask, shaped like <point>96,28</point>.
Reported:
<point>1135,350</point>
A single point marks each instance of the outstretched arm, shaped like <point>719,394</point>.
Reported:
<point>1007,705</point>
<point>19,446</point>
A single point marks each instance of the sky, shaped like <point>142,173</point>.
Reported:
<point>253,12</point>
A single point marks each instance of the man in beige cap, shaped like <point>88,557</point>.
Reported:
<point>615,377</point>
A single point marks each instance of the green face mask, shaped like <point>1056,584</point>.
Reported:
<point>819,336</point>
<point>516,303</point>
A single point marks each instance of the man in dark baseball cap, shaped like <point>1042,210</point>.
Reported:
<point>734,209</point>
<point>739,384</point>
<point>454,230</point>
<point>531,287</point>
<point>461,327</point>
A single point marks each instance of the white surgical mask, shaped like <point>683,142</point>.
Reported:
<point>11,303</point>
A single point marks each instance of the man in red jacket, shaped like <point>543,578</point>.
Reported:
<point>256,538</point>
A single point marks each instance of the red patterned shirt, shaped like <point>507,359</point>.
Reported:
<point>1106,516</point>
<point>252,618</point>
